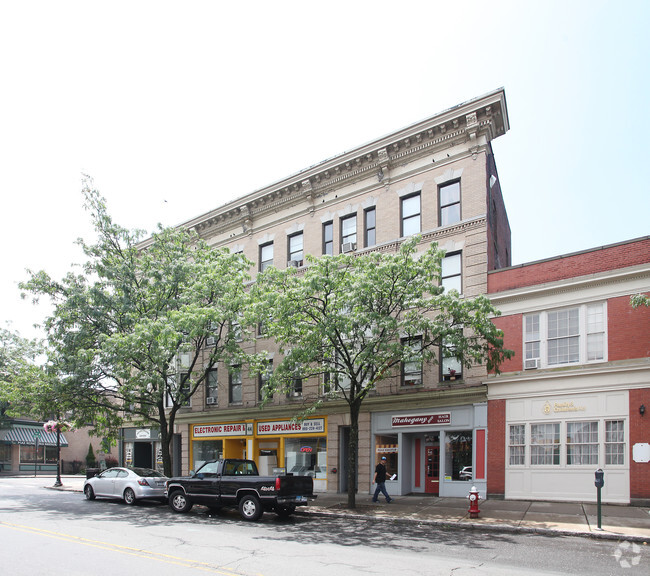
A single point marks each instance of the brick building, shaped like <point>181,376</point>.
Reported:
<point>436,178</point>
<point>573,397</point>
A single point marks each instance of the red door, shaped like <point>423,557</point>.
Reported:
<point>432,480</point>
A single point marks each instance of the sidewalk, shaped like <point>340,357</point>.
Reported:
<point>568,518</point>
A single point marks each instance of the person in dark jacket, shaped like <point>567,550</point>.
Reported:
<point>380,481</point>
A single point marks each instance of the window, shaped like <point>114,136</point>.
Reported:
<point>44,454</point>
<point>306,456</point>
<point>458,453</point>
<point>387,445</point>
<point>449,196</point>
<point>411,215</point>
<point>235,387</point>
<point>450,365</point>
<point>295,247</point>
<point>370,217</point>
<point>614,442</point>
<point>263,380</point>
<point>328,238</point>
<point>182,393</point>
<point>204,450</point>
<point>348,231</point>
<point>452,273</point>
<point>412,367</point>
<point>266,256</point>
<point>517,445</point>
<point>211,388</point>
<point>545,444</point>
<point>296,386</point>
<point>582,443</point>
<point>566,336</point>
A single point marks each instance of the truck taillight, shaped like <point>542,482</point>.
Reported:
<point>277,484</point>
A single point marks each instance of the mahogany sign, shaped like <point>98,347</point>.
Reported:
<point>421,419</point>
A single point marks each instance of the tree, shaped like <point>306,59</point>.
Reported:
<point>638,300</point>
<point>353,320</point>
<point>137,331</point>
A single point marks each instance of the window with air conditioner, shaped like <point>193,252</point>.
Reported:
<point>349,233</point>
<point>575,335</point>
<point>212,388</point>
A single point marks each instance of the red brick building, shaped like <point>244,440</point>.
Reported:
<point>573,397</point>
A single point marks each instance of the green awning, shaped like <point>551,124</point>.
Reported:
<point>25,435</point>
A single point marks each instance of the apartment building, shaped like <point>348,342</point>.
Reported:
<point>436,178</point>
<point>574,397</point>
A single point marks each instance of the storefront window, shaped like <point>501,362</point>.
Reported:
<point>306,457</point>
<point>387,445</point>
<point>45,455</point>
<point>205,450</point>
<point>458,453</point>
<point>545,444</point>
<point>5,454</point>
<point>582,443</point>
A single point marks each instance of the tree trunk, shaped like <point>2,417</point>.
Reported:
<point>353,454</point>
<point>165,442</point>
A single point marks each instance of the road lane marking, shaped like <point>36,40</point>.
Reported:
<point>138,552</point>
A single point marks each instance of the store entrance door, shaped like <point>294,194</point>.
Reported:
<point>432,480</point>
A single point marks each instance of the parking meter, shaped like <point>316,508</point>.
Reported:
<point>600,478</point>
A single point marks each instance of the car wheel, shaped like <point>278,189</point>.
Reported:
<point>250,508</point>
<point>179,502</point>
<point>285,511</point>
<point>129,496</point>
<point>89,492</point>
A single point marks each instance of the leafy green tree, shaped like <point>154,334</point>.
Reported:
<point>638,300</point>
<point>353,320</point>
<point>91,461</point>
<point>136,331</point>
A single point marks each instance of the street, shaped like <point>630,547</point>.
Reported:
<point>49,531</point>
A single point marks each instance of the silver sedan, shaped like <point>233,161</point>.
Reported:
<point>130,484</point>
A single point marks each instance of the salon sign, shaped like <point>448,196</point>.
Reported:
<point>421,419</point>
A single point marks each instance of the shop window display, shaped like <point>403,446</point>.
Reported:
<point>306,457</point>
<point>387,445</point>
<point>45,455</point>
<point>458,453</point>
<point>204,450</point>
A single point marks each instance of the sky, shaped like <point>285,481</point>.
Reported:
<point>175,108</point>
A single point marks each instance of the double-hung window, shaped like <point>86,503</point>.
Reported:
<point>614,442</point>
<point>412,366</point>
<point>235,385</point>
<point>328,238</point>
<point>211,388</point>
<point>582,443</point>
<point>452,273</point>
<point>266,256</point>
<point>348,233</point>
<point>449,202</point>
<point>370,217</point>
<point>517,445</point>
<point>295,249</point>
<point>411,211</point>
<point>565,336</point>
<point>545,444</point>
<point>263,380</point>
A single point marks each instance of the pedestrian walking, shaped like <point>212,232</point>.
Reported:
<point>380,481</point>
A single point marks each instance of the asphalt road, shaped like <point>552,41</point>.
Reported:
<point>46,531</point>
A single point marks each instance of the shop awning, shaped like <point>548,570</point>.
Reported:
<point>25,435</point>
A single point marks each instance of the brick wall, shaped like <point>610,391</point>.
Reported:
<point>496,462</point>
<point>628,330</point>
<point>639,433</point>
<point>572,265</point>
<point>512,327</point>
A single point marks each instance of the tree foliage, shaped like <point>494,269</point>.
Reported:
<point>637,300</point>
<point>129,330</point>
<point>353,320</point>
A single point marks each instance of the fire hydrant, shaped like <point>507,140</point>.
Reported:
<point>473,498</point>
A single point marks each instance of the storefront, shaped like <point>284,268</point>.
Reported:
<point>276,446</point>
<point>440,451</point>
<point>26,447</point>
<point>141,447</point>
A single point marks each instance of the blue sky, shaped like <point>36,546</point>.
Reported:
<point>175,108</point>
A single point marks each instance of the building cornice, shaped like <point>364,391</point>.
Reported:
<point>472,124</point>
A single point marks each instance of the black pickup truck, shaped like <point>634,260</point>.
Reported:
<point>236,483</point>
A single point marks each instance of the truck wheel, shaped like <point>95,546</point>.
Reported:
<point>250,508</point>
<point>179,502</point>
<point>285,511</point>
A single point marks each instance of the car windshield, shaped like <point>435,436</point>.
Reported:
<point>147,473</point>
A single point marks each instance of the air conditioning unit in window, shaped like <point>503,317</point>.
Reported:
<point>348,247</point>
<point>293,264</point>
<point>210,341</point>
<point>210,400</point>
<point>531,364</point>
